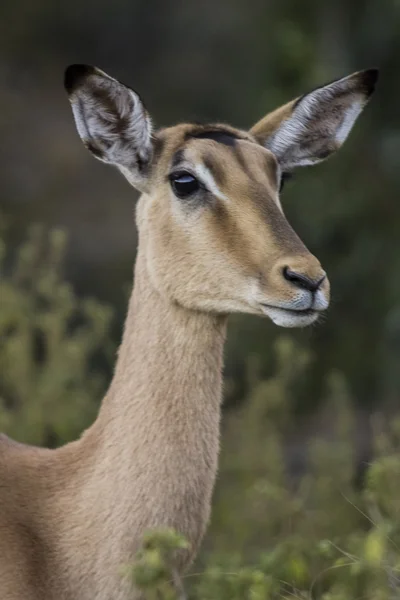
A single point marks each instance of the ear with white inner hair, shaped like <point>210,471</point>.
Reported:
<point>111,121</point>
<point>312,127</point>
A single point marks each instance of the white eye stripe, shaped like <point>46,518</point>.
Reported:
<point>205,176</point>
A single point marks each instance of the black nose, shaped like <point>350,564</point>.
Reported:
<point>302,281</point>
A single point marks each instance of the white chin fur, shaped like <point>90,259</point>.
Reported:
<point>284,318</point>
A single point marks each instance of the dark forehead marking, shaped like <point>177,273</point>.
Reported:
<point>228,138</point>
<point>216,133</point>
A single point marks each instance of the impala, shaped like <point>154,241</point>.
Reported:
<point>213,240</point>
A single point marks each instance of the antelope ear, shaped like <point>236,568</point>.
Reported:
<point>312,127</point>
<point>111,120</point>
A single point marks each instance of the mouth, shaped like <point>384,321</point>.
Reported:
<point>289,317</point>
<point>292,311</point>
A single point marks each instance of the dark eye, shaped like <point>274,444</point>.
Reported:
<point>184,184</point>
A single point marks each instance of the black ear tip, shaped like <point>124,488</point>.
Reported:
<point>369,79</point>
<point>75,75</point>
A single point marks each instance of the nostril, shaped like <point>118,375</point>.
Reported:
<point>302,281</point>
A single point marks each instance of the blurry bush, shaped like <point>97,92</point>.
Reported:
<point>53,345</point>
<point>328,532</point>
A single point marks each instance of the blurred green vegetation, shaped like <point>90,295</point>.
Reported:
<point>51,346</point>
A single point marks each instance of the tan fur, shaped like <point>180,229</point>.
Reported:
<point>268,124</point>
<point>71,518</point>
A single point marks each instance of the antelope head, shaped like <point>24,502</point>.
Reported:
<point>212,230</point>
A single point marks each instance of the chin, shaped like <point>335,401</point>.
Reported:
<point>291,318</point>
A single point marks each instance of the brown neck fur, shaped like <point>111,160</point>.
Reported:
<point>149,460</point>
<point>156,438</point>
<point>160,419</point>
